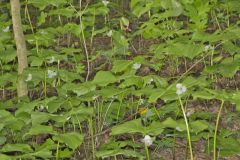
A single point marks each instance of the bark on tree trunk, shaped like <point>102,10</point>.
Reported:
<point>21,46</point>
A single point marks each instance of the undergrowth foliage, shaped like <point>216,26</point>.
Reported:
<point>137,79</point>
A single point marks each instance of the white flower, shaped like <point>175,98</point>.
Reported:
<point>180,89</point>
<point>29,78</point>
<point>179,129</point>
<point>6,29</point>
<point>105,2</point>
<point>136,66</point>
<point>208,47</point>
<point>141,101</point>
<point>147,140</point>
<point>51,74</point>
<point>150,81</point>
<point>68,118</point>
<point>43,32</point>
<point>41,107</point>
<point>52,60</point>
<point>109,34</point>
<point>94,97</point>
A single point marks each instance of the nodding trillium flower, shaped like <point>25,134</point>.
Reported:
<point>6,29</point>
<point>136,66</point>
<point>94,97</point>
<point>68,118</point>
<point>147,140</point>
<point>150,81</point>
<point>180,89</point>
<point>109,34</point>
<point>141,101</point>
<point>208,47</point>
<point>43,32</point>
<point>51,74</point>
<point>41,107</point>
<point>52,60</point>
<point>105,2</point>
<point>29,78</point>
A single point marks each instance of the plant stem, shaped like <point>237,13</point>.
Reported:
<point>147,152</point>
<point>215,133</point>
<point>187,127</point>
<point>92,137</point>
<point>57,152</point>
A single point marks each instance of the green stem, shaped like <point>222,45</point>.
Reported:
<point>57,152</point>
<point>92,137</point>
<point>147,152</point>
<point>187,127</point>
<point>215,133</point>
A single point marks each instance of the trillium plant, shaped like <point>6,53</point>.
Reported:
<point>180,90</point>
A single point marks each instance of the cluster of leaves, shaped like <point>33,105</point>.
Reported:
<point>63,109</point>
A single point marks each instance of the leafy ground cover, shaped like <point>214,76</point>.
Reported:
<point>122,79</point>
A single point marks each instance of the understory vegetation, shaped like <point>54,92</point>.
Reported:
<point>122,79</point>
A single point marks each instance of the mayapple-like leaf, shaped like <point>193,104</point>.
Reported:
<point>40,129</point>
<point>120,65</point>
<point>73,140</point>
<point>103,78</point>
<point>114,152</point>
<point>25,148</point>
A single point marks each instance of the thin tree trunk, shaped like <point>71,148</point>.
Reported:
<point>21,46</point>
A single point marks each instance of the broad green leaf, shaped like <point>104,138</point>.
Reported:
<point>73,140</point>
<point>39,117</point>
<point>133,126</point>
<point>55,104</point>
<point>203,95</point>
<point>170,123</point>
<point>132,81</point>
<point>80,89</point>
<point>185,49</point>
<point>120,65</point>
<point>8,55</point>
<point>25,148</point>
<point>103,78</point>
<point>114,152</point>
<point>2,140</point>
<point>228,147</point>
<point>198,126</point>
<point>40,129</point>
<point>3,156</point>
<point>42,18</point>
<point>67,12</point>
<point>139,7</point>
<point>155,128</point>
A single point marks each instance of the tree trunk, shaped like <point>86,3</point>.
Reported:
<point>21,46</point>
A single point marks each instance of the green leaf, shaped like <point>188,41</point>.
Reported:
<point>67,12</point>
<point>39,117</point>
<point>133,126</point>
<point>73,140</point>
<point>139,7</point>
<point>114,152</point>
<point>42,18</point>
<point>198,126</point>
<point>80,89</point>
<point>185,49</point>
<point>55,104</point>
<point>2,140</point>
<point>170,123</point>
<point>16,147</point>
<point>228,147</point>
<point>120,65</point>
<point>3,156</point>
<point>103,78</point>
<point>132,81</point>
<point>40,129</point>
